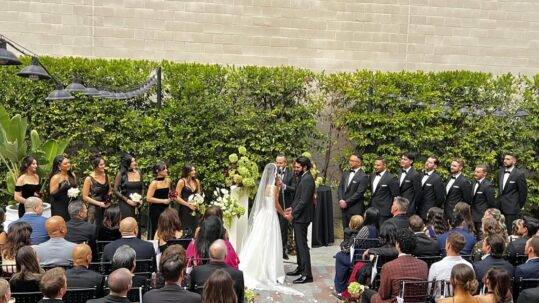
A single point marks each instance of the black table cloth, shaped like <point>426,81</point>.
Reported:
<point>322,232</point>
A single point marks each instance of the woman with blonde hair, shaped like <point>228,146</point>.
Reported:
<point>489,226</point>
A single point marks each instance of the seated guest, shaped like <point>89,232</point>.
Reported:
<point>399,208</point>
<point>28,271</point>
<point>110,229</point>
<point>529,295</point>
<point>125,257</point>
<point>493,248</point>
<point>356,221</point>
<point>529,229</point>
<point>518,230</point>
<point>168,228</point>
<point>78,230</point>
<point>79,276</point>
<point>211,229</point>
<point>404,266</point>
<point>489,227</point>
<point>212,210</point>
<point>219,288</point>
<point>497,215</point>
<point>33,216</point>
<point>464,285</point>
<point>172,271</point>
<point>172,252</point>
<point>129,230</point>
<point>530,269</point>
<point>119,282</point>
<point>498,283</point>
<point>5,292</point>
<point>458,225</point>
<point>200,274</point>
<point>441,270</point>
<point>387,239</point>
<point>425,246</point>
<point>464,210</point>
<point>436,223</point>
<point>18,236</point>
<point>53,285</point>
<point>342,258</point>
<point>57,250</point>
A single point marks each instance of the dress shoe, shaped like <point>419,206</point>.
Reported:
<point>296,272</point>
<point>302,279</point>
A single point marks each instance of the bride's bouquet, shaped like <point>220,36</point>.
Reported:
<point>198,200</point>
<point>73,193</point>
<point>229,205</point>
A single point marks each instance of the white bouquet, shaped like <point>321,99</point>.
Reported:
<point>229,205</point>
<point>73,192</point>
<point>135,197</point>
<point>198,200</point>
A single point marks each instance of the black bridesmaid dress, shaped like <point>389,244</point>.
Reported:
<point>27,190</point>
<point>60,201</point>
<point>99,192</point>
<point>156,209</point>
<point>128,188</point>
<point>188,221</point>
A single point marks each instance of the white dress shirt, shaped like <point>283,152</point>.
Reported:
<point>353,172</point>
<point>506,176</point>
<point>376,180</point>
<point>441,270</point>
<point>425,177</point>
<point>403,175</point>
<point>450,182</point>
<point>477,185</point>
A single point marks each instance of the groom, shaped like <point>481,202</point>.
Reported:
<point>301,214</point>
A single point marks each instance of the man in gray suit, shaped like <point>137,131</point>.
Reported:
<point>57,250</point>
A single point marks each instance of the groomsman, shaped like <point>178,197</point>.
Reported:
<point>409,183</point>
<point>351,191</point>
<point>482,195</point>
<point>384,188</point>
<point>432,188</point>
<point>286,176</point>
<point>458,188</point>
<point>512,190</point>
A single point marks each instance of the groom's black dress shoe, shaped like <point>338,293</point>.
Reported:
<point>302,279</point>
<point>296,272</point>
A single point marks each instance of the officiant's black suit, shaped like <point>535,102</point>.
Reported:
<point>353,192</point>
<point>285,199</point>
<point>302,213</point>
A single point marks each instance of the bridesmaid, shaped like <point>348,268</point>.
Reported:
<point>128,181</point>
<point>158,196</point>
<point>60,181</point>
<point>96,191</point>
<point>188,185</point>
<point>27,184</point>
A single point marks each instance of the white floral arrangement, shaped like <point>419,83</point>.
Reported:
<point>73,192</point>
<point>135,197</point>
<point>242,171</point>
<point>198,200</point>
<point>229,205</point>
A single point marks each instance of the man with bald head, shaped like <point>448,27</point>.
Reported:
<point>57,250</point>
<point>80,276</point>
<point>200,274</point>
<point>129,230</point>
<point>119,282</point>
<point>33,215</point>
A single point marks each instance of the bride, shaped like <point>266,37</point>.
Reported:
<point>262,254</point>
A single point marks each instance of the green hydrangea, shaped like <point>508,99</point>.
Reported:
<point>307,154</point>
<point>233,158</point>
<point>243,170</point>
<point>237,179</point>
<point>242,150</point>
<point>249,182</point>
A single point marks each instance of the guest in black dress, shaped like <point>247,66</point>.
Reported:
<point>158,196</point>
<point>188,185</point>
<point>110,229</point>
<point>27,184</point>
<point>28,271</point>
<point>61,180</point>
<point>96,191</point>
<point>128,181</point>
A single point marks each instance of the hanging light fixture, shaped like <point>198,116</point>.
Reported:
<point>520,113</point>
<point>498,113</point>
<point>34,71</point>
<point>91,91</point>
<point>76,86</point>
<point>7,57</point>
<point>59,94</point>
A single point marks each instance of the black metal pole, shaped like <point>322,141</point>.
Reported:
<point>159,87</point>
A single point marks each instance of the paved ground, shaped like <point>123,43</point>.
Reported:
<point>319,291</point>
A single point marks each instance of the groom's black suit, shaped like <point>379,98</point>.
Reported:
<point>302,213</point>
<point>285,199</point>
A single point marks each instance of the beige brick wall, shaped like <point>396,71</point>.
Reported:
<point>489,35</point>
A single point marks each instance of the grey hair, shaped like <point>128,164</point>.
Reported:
<point>124,257</point>
<point>32,202</point>
<point>402,204</point>
<point>74,208</point>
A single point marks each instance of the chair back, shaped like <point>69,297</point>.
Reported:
<point>101,247</point>
<point>135,294</point>
<point>76,295</point>
<point>183,242</point>
<point>527,283</point>
<point>104,268</point>
<point>145,265</point>
<point>517,259</point>
<point>360,246</point>
<point>416,290</point>
<point>27,297</point>
<point>7,270</point>
<point>430,259</point>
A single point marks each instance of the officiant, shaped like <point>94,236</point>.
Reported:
<point>286,176</point>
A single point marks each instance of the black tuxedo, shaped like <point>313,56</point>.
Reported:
<point>110,299</point>
<point>302,212</point>
<point>460,191</point>
<point>529,295</point>
<point>50,301</point>
<point>200,274</point>
<point>482,199</point>
<point>432,194</point>
<point>512,197</point>
<point>481,267</point>
<point>353,192</point>
<point>144,249</point>
<point>382,196</point>
<point>426,246</point>
<point>81,277</point>
<point>285,199</point>
<point>410,188</point>
<point>170,294</point>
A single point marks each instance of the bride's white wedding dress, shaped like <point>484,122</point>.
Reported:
<point>261,257</point>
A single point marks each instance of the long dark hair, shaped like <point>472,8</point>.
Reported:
<point>56,169</point>
<point>465,210</point>
<point>158,167</point>
<point>27,264</point>
<point>304,162</point>
<point>499,282</point>
<point>112,217</point>
<point>435,218</point>
<point>186,170</point>
<point>210,230</point>
<point>168,224</point>
<point>219,288</point>
<point>125,163</point>
<point>95,159</point>
<point>372,215</point>
<point>18,235</point>
<point>26,162</point>
<point>388,234</point>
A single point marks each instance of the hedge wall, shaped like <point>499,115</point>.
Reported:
<point>210,110</point>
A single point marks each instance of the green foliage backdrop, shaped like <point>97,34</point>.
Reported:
<point>210,110</point>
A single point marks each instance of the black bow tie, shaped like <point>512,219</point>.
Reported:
<point>426,173</point>
<point>404,171</point>
<point>507,172</point>
<point>353,171</point>
<point>378,174</point>
<point>453,177</point>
